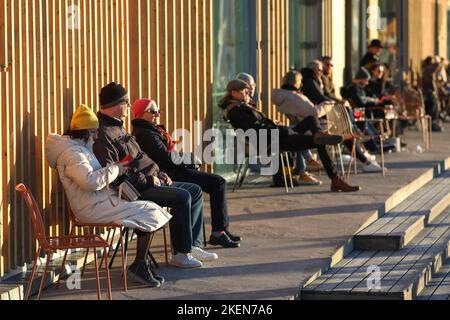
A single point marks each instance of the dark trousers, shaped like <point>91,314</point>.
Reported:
<point>296,140</point>
<point>359,152</point>
<point>216,187</point>
<point>186,203</point>
<point>432,105</point>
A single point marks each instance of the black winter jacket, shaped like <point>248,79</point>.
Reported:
<point>113,144</point>
<point>153,142</point>
<point>243,116</point>
<point>312,88</point>
<point>359,96</point>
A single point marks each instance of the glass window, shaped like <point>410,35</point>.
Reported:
<point>305,32</point>
<point>234,52</point>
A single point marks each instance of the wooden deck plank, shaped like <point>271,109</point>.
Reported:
<point>411,202</point>
<point>330,284</point>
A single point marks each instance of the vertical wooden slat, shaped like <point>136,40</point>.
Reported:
<point>3,105</point>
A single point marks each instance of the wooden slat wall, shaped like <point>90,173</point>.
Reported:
<point>422,30</point>
<point>51,70</point>
<point>171,59</point>
<point>273,53</point>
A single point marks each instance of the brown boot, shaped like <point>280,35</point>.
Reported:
<point>339,185</point>
<point>325,139</point>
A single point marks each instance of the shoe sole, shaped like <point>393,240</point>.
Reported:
<point>227,247</point>
<point>207,260</point>
<point>184,266</point>
<point>136,278</point>
<point>310,184</point>
<point>349,191</point>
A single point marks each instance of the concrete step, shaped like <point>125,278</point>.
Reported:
<point>439,286</point>
<point>400,225</point>
<point>386,275</point>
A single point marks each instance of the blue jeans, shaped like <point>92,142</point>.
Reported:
<point>301,160</point>
<point>186,203</point>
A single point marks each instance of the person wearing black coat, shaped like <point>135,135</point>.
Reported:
<point>112,146</point>
<point>242,115</point>
<point>158,145</point>
<point>312,84</point>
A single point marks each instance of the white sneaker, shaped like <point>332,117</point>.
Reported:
<point>185,261</point>
<point>373,167</point>
<point>202,255</point>
<point>370,157</point>
<point>346,159</point>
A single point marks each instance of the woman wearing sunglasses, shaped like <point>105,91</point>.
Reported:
<point>157,143</point>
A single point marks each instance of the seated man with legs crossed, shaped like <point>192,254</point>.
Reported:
<point>185,199</point>
<point>159,146</point>
<point>242,116</point>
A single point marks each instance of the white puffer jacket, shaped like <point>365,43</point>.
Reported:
<point>84,181</point>
<point>292,103</point>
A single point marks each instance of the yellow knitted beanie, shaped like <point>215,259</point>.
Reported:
<point>84,118</point>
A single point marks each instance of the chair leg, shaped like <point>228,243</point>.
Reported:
<point>123,257</point>
<point>149,253</point>
<point>165,246</point>
<point>85,262</point>
<point>122,232</point>
<point>430,128</point>
<point>30,281</point>
<point>49,257</point>
<point>72,230</point>
<point>204,234</point>
<point>106,252</point>
<point>289,170</point>
<point>283,167</point>
<point>382,156</point>
<point>244,173</point>
<point>108,278</point>
<point>341,160</point>
<point>353,153</point>
<point>85,258</point>
<point>237,178</point>
<point>97,278</point>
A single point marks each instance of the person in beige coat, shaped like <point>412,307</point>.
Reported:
<point>293,103</point>
<point>290,101</point>
<point>85,184</point>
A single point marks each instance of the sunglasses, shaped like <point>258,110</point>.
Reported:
<point>154,112</point>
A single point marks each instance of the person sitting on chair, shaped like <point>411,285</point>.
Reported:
<point>185,199</point>
<point>242,116</point>
<point>357,94</point>
<point>85,183</point>
<point>159,146</point>
<point>290,101</point>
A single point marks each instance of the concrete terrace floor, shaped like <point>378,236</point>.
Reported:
<point>287,237</point>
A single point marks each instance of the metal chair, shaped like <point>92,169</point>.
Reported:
<point>285,164</point>
<point>50,245</point>
<point>339,122</point>
<point>75,223</point>
<point>412,107</point>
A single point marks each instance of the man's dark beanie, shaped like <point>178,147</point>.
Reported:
<point>112,95</point>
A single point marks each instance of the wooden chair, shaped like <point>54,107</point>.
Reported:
<point>50,245</point>
<point>339,122</point>
<point>412,107</point>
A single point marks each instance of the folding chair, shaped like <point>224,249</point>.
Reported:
<point>50,245</point>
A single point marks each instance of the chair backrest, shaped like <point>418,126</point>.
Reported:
<point>338,120</point>
<point>35,214</point>
<point>411,102</point>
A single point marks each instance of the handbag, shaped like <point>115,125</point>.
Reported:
<point>126,191</point>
